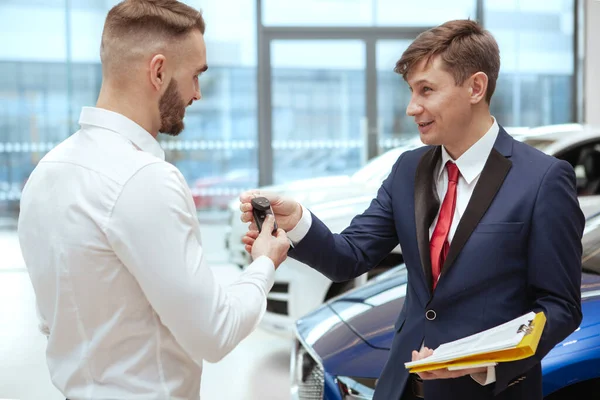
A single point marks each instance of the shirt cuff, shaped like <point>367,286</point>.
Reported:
<point>262,273</point>
<point>485,378</point>
<point>302,227</point>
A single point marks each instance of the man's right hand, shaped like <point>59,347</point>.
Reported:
<point>287,211</point>
<point>275,246</point>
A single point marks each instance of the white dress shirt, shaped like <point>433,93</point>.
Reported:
<point>470,164</point>
<point>111,240</point>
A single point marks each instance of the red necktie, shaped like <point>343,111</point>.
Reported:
<point>438,246</point>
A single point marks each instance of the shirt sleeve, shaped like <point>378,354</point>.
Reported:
<point>42,324</point>
<point>154,231</point>
<point>485,378</point>
<point>301,228</point>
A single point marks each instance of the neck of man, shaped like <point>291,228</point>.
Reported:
<point>480,124</point>
<point>129,103</point>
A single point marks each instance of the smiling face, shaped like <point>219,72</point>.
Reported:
<point>440,108</point>
<point>452,71</point>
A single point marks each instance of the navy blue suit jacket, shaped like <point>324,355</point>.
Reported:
<point>517,248</point>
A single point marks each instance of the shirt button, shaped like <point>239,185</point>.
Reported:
<point>430,315</point>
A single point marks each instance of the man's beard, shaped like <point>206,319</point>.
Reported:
<point>172,110</point>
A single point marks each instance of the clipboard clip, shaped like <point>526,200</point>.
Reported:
<point>527,328</point>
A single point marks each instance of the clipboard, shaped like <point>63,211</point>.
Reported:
<point>514,340</point>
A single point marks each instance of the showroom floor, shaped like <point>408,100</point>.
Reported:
<point>257,369</point>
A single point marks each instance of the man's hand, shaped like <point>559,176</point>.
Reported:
<point>287,211</point>
<point>266,244</point>
<point>443,373</point>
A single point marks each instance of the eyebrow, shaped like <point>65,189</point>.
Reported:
<point>201,69</point>
<point>420,82</point>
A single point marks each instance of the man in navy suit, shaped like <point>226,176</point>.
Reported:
<point>490,228</point>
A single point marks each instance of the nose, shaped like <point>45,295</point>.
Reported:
<point>413,109</point>
<point>197,94</point>
<point>197,91</point>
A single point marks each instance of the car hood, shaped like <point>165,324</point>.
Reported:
<point>331,330</point>
<point>371,310</point>
<point>589,328</point>
<point>336,346</point>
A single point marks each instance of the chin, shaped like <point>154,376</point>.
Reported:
<point>173,130</point>
<point>430,140</point>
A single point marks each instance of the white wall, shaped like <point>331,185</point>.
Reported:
<point>592,62</point>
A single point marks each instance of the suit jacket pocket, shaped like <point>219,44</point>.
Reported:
<point>499,227</point>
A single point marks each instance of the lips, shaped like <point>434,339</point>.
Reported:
<point>424,124</point>
<point>425,127</point>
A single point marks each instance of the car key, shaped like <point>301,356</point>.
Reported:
<point>261,206</point>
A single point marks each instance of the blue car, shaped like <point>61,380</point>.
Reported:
<point>341,347</point>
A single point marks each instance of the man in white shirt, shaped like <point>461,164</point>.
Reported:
<point>489,227</point>
<point>110,234</point>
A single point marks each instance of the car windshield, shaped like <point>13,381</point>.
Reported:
<point>539,143</point>
<point>377,169</point>
<point>543,136</point>
<point>591,246</point>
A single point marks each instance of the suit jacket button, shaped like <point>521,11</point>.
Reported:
<point>430,315</point>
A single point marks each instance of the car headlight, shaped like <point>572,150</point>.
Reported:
<point>356,388</point>
<point>308,378</point>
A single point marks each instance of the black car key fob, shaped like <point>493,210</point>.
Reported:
<point>261,206</point>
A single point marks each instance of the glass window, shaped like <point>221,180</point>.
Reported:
<point>364,12</point>
<point>33,91</point>
<point>535,86</point>
<point>318,107</point>
<point>317,12</point>
<point>591,246</point>
<point>423,13</point>
<point>393,96</point>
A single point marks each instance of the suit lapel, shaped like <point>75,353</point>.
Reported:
<point>427,204</point>
<point>491,179</point>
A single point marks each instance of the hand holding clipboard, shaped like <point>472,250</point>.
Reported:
<point>513,340</point>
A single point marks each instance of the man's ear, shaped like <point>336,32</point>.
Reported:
<point>157,71</point>
<point>478,84</point>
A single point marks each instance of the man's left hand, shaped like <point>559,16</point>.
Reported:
<point>442,373</point>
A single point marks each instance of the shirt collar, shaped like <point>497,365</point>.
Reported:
<point>471,163</point>
<point>122,125</point>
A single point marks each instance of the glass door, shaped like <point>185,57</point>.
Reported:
<point>318,107</point>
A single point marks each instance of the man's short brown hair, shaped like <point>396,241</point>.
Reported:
<point>135,26</point>
<point>464,47</point>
